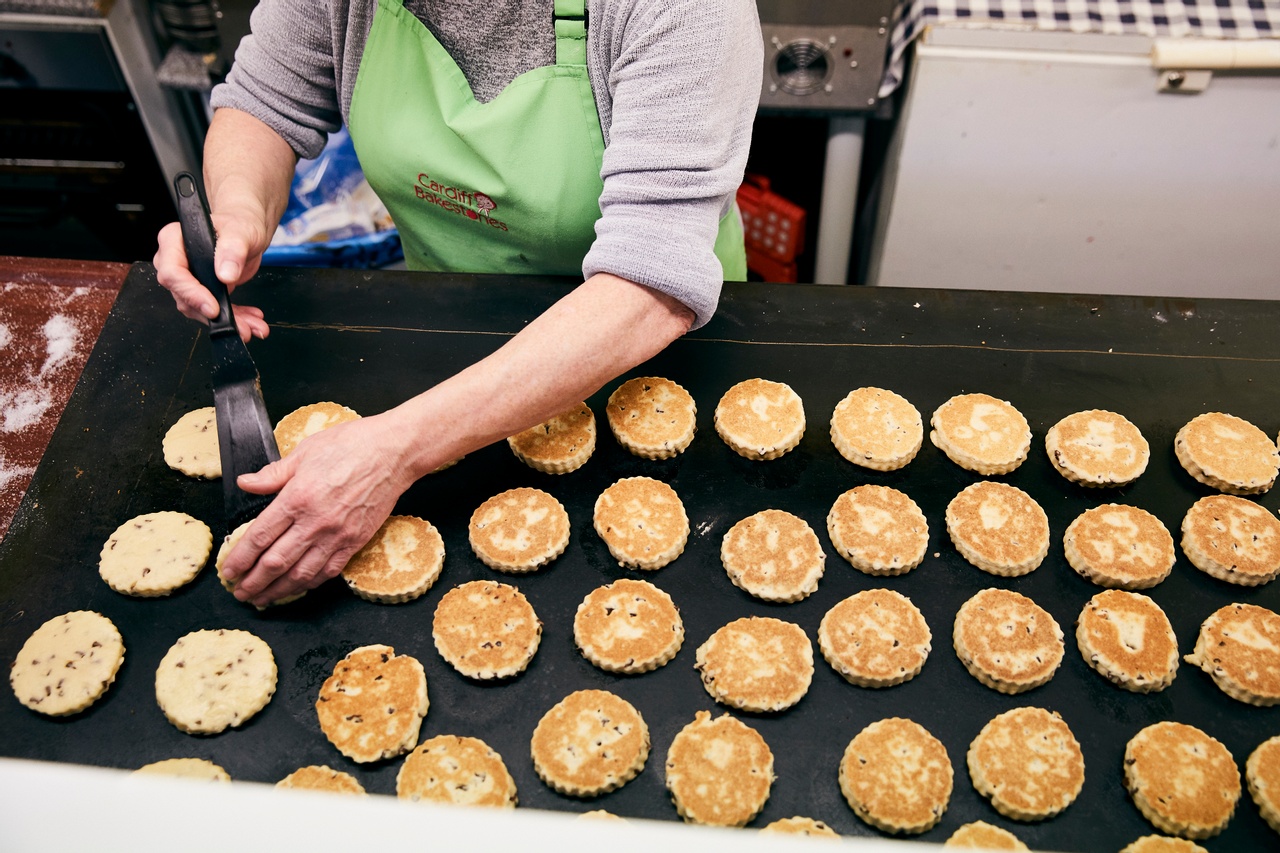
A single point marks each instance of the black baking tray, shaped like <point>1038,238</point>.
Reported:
<point>371,339</point>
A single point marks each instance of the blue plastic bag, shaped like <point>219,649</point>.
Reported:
<point>334,219</point>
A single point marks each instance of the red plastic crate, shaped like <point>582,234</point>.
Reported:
<point>773,228</point>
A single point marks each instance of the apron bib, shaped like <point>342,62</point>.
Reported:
<point>508,186</point>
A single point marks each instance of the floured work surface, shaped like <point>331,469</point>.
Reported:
<point>370,340</point>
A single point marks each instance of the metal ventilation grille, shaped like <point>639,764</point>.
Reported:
<point>801,67</point>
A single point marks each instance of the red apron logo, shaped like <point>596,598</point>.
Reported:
<point>475,206</point>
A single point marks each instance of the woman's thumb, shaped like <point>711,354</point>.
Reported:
<point>268,480</point>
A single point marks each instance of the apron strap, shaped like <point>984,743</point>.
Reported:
<point>571,32</point>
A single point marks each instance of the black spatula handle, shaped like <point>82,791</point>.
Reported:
<point>198,238</point>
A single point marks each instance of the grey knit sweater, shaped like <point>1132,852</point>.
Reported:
<point>676,84</point>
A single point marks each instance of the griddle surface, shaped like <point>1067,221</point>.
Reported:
<point>369,340</point>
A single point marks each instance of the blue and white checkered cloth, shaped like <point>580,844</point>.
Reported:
<point>1225,19</point>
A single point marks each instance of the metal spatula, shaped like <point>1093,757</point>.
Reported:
<point>245,440</point>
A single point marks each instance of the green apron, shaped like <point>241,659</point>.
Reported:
<point>509,186</point>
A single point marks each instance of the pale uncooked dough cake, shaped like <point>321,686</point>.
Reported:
<point>879,530</point>
<point>1181,779</point>
<point>998,528</point>
<point>896,776</point>
<point>877,429</point>
<point>1114,545</point>
<point>760,419</point>
<point>1127,638</point>
<point>372,706</point>
<point>401,562</point>
<point>757,663</point>
<point>875,638</point>
<point>212,680</point>
<point>186,768</point>
<point>190,446</point>
<point>719,772</point>
<point>981,835</point>
<point>1239,646</point>
<point>462,771</point>
<point>1262,773</point>
<point>321,777</point>
<point>307,421</point>
<point>1007,641</point>
<point>1227,453</point>
<point>981,433</point>
<point>589,743</point>
<point>642,521</point>
<point>1028,763</point>
<point>154,554</point>
<point>519,530</point>
<point>652,417</point>
<point>67,663</point>
<point>1097,448</point>
<point>799,826</point>
<point>774,556</point>
<point>1232,539</point>
<point>628,626</point>
<point>560,444</point>
<point>486,630</point>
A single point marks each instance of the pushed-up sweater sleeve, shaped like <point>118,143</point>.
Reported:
<point>285,71</point>
<point>683,79</point>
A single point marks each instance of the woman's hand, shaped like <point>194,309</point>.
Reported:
<point>236,258</point>
<point>333,492</point>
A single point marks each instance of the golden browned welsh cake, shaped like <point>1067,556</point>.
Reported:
<point>209,681</point>
<point>799,825</point>
<point>67,663</point>
<point>190,446</point>
<point>519,530</point>
<point>628,626</point>
<point>1181,779</point>
<point>589,743</point>
<point>981,433</point>
<point>757,663</point>
<point>877,429</point>
<point>321,777</point>
<point>1262,774</point>
<point>307,421</point>
<point>875,638</point>
<point>462,771</point>
<point>896,776</point>
<point>1232,539</point>
<point>983,836</point>
<point>642,521</point>
<point>1128,640</point>
<point>1162,844</point>
<point>186,768</point>
<point>774,556</point>
<point>560,444</point>
<point>401,562</point>
<point>1007,641</point>
<point>1119,546</point>
<point>155,553</point>
<point>760,419</point>
<point>486,630</point>
<point>1228,454</point>
<point>1239,646</point>
<point>879,530</point>
<point>652,417</point>
<point>1097,448</point>
<point>372,706</point>
<point>998,528</point>
<point>719,772</point>
<point>1028,763</point>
